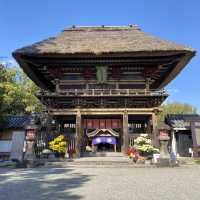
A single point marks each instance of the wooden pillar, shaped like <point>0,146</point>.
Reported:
<point>115,148</point>
<point>149,127</point>
<point>78,133</point>
<point>125,133</point>
<point>57,82</point>
<point>147,84</point>
<point>154,124</point>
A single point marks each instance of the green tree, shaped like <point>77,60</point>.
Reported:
<point>176,108</point>
<point>17,92</point>
<point>29,90</point>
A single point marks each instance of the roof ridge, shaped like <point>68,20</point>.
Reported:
<point>101,27</point>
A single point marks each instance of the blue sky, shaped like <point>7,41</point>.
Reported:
<point>23,22</point>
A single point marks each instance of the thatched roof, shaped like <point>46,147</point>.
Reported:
<point>99,40</point>
<point>102,43</point>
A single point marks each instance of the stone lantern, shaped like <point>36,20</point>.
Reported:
<point>163,137</point>
<point>30,137</point>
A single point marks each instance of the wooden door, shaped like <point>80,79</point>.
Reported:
<point>184,143</point>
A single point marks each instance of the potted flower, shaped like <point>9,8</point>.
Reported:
<point>144,146</point>
<point>58,145</point>
<point>133,154</point>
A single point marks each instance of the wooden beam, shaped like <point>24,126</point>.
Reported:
<point>154,125</point>
<point>78,133</point>
<point>103,111</point>
<point>81,60</point>
<point>125,142</point>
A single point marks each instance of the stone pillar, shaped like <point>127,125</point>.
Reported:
<point>194,139</point>
<point>174,146</point>
<point>164,153</point>
<point>125,133</point>
<point>163,130</point>
<point>30,138</point>
<point>78,133</point>
<point>154,125</point>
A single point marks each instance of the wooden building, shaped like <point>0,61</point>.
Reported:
<point>12,133</point>
<point>104,85</point>
<point>185,134</point>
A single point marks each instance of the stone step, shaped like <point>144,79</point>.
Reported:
<point>105,160</point>
<point>103,154</point>
<point>102,159</point>
<point>99,164</point>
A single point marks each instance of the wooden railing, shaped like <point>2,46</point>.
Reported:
<point>105,92</point>
<point>71,145</point>
<point>132,137</point>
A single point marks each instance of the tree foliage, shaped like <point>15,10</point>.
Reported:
<point>17,92</point>
<point>176,108</point>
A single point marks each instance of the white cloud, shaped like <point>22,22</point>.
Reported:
<point>9,62</point>
<point>173,90</point>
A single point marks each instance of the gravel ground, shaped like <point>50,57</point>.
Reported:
<point>106,183</point>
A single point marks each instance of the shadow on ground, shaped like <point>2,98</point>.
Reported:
<point>41,183</point>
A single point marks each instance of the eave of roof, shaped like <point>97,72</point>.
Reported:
<point>14,122</point>
<point>184,117</point>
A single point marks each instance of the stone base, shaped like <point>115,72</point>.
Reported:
<point>165,162</point>
<point>34,163</point>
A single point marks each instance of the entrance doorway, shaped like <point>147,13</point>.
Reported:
<point>105,147</point>
<point>103,133</point>
<point>104,144</point>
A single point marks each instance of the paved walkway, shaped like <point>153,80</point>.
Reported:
<point>63,182</point>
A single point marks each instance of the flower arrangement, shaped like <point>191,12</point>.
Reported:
<point>133,154</point>
<point>58,144</point>
<point>144,145</point>
<point>88,148</point>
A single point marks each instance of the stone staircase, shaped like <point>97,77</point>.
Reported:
<point>102,159</point>
<point>103,154</point>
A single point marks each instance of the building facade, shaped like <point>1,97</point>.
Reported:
<point>102,86</point>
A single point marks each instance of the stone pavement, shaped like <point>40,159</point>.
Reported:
<point>64,182</point>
